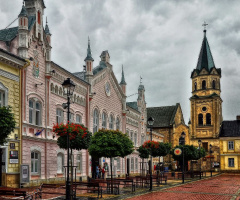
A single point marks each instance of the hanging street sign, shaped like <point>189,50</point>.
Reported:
<point>178,151</point>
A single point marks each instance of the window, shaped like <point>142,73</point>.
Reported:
<point>60,91</point>
<point>2,98</point>
<point>52,87</point>
<point>78,119</point>
<point>230,162</point>
<point>118,164</point>
<point>135,139</point>
<point>117,124</point>
<point>111,122</point>
<point>71,117</point>
<point>230,145</point>
<point>60,163</point>
<point>128,133</point>
<point>208,119</point>
<point>79,162</point>
<point>35,112</point>
<point>136,164</point>
<point>39,17</point>
<point>142,139</point>
<point>132,164</point>
<point>195,86</point>
<point>56,89</point>
<point>35,162</point>
<point>131,136</point>
<point>95,121</point>
<point>104,120</point>
<point>200,119</point>
<point>59,116</point>
<point>3,95</point>
<point>203,85</point>
<point>213,84</point>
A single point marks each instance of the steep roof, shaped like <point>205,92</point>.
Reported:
<point>133,105</point>
<point>89,52</point>
<point>13,55</point>
<point>230,129</point>
<point>205,59</point>
<point>123,82</point>
<point>163,116</point>
<point>9,34</point>
<point>23,12</point>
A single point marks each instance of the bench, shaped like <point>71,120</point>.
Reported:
<point>18,193</point>
<point>126,181</point>
<point>88,186</point>
<point>108,184</point>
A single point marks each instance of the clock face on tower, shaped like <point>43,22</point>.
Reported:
<point>107,89</point>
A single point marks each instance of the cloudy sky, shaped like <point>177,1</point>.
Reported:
<point>158,40</point>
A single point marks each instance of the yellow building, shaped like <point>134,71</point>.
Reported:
<point>10,95</point>
<point>230,146</point>
<point>206,104</point>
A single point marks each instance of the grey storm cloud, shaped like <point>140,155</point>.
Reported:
<point>158,40</point>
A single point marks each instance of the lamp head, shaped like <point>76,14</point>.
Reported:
<point>199,142</point>
<point>150,121</point>
<point>68,86</point>
<point>183,134</point>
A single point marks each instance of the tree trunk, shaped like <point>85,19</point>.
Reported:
<point>0,166</point>
<point>111,176</point>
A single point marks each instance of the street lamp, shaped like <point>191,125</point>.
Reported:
<point>199,148</point>
<point>68,88</point>
<point>150,124</point>
<point>183,143</point>
<point>211,159</point>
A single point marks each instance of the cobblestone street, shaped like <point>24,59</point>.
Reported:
<point>223,187</point>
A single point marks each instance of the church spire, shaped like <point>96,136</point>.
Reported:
<point>47,31</point>
<point>123,78</point>
<point>23,12</point>
<point>205,59</point>
<point>89,53</point>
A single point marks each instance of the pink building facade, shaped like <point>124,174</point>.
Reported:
<point>99,101</point>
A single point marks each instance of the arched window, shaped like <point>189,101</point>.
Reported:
<point>59,116</point>
<point>104,120</point>
<point>71,118</point>
<point>135,139</point>
<point>208,119</point>
<point>132,164</point>
<point>213,84</point>
<point>111,122</point>
<point>35,162</point>
<point>118,124</point>
<point>128,133</point>
<point>79,163</point>
<point>60,91</point>
<point>204,85</point>
<point>60,163</point>
<point>118,164</point>
<point>136,164</point>
<point>56,89</point>
<point>39,17</point>
<point>195,86</point>
<point>52,87</point>
<point>78,119</point>
<point>131,135</point>
<point>35,112</point>
<point>95,120</point>
<point>3,95</point>
<point>142,139</point>
<point>200,119</point>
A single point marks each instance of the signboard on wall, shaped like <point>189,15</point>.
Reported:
<point>13,157</point>
<point>24,173</point>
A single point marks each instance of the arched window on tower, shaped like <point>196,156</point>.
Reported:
<point>204,85</point>
<point>200,119</point>
<point>195,86</point>
<point>208,119</point>
<point>95,120</point>
<point>39,17</point>
<point>213,84</point>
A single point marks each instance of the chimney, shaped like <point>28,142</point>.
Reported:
<point>238,117</point>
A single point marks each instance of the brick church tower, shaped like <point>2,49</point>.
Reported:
<point>206,102</point>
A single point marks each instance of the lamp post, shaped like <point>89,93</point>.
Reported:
<point>199,148</point>
<point>211,159</point>
<point>68,88</point>
<point>183,143</point>
<point>150,124</point>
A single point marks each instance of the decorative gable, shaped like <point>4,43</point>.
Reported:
<point>203,71</point>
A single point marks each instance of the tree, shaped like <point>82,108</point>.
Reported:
<point>190,153</point>
<point>143,153</point>
<point>110,143</point>
<point>7,125</point>
<point>157,148</point>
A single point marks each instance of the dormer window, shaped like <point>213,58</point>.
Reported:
<point>204,85</point>
<point>39,18</point>
<point>213,84</point>
<point>195,86</point>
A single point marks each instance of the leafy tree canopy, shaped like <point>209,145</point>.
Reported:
<point>110,143</point>
<point>190,153</point>
<point>79,136</point>
<point>143,152</point>
<point>157,148</point>
<point>7,123</point>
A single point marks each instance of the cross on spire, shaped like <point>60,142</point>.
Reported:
<point>140,80</point>
<point>205,25</point>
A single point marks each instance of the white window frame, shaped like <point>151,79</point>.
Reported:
<point>230,145</point>
<point>111,123</point>
<point>59,116</point>
<point>118,124</point>
<point>35,162</point>
<point>135,139</point>
<point>78,119</point>
<point>60,168</point>
<point>104,120</point>
<point>79,163</point>
<point>230,162</point>
<point>118,164</point>
<point>142,139</point>
<point>4,95</point>
<point>33,112</point>
<point>131,136</point>
<point>136,164</point>
<point>132,164</point>
<point>95,120</point>
<point>71,118</point>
